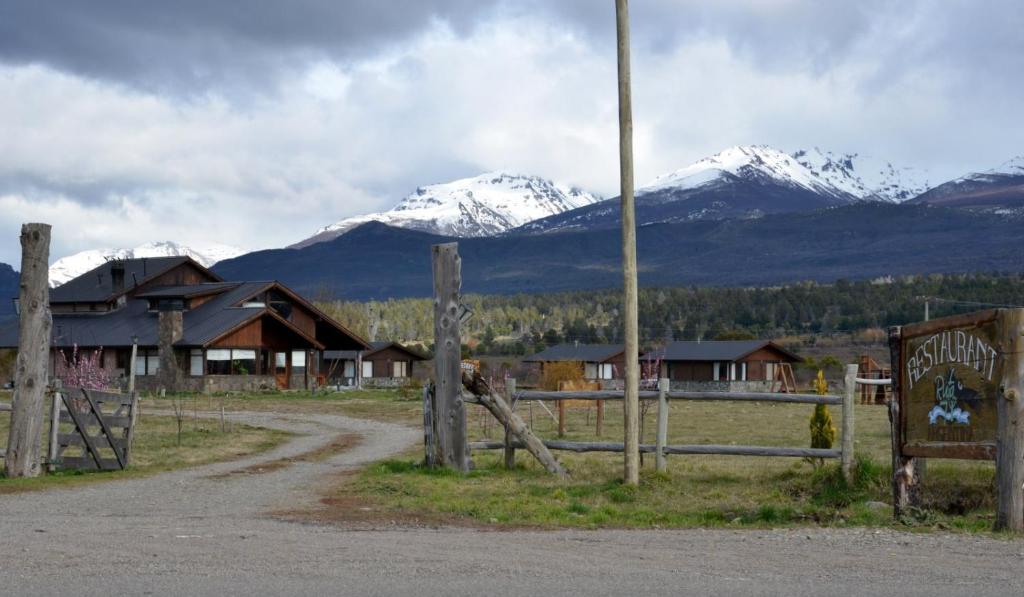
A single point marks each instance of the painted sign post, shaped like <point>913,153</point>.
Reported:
<point>957,395</point>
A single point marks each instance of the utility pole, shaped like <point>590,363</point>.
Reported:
<point>631,409</point>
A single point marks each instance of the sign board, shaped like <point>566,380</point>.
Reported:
<point>950,370</point>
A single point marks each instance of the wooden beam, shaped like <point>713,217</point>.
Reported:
<point>697,449</point>
<point>510,451</point>
<point>450,413</point>
<point>696,396</point>
<point>30,372</point>
<point>503,412</point>
<point>1010,437</point>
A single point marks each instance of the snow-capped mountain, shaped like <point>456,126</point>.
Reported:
<point>483,205</point>
<point>72,266</point>
<point>864,177</point>
<point>842,176</point>
<point>999,190</point>
<point>750,162</point>
<point>751,181</point>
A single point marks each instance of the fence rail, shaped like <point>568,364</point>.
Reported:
<point>661,448</point>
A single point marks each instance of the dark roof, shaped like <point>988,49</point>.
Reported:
<point>97,284</point>
<point>341,355</point>
<point>188,291</point>
<point>588,353</point>
<point>714,350</point>
<point>378,346</point>
<point>202,325</point>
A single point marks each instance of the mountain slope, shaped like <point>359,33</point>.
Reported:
<point>75,265</point>
<point>864,177</point>
<point>740,182</point>
<point>483,205</point>
<point>861,240</point>
<point>1000,190</point>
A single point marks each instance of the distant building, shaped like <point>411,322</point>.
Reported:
<point>194,330</point>
<point>721,360</point>
<point>382,364</point>
<point>598,361</point>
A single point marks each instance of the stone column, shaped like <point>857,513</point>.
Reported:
<point>170,329</point>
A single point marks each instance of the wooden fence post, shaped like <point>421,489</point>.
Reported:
<point>849,392</point>
<point>55,401</point>
<point>510,451</point>
<point>561,418</point>
<point>659,449</point>
<point>450,413</point>
<point>31,367</point>
<point>429,442</point>
<point>904,478</point>
<point>1010,437</point>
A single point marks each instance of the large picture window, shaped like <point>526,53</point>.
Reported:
<point>218,361</point>
<point>231,361</point>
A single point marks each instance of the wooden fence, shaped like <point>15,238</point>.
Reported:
<point>663,395</point>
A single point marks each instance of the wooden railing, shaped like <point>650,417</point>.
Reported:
<point>661,448</point>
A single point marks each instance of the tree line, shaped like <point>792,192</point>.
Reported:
<point>523,323</point>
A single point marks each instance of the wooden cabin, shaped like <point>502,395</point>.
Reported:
<point>721,360</point>
<point>597,361</point>
<point>193,330</point>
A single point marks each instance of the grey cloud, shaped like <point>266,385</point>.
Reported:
<point>190,44</point>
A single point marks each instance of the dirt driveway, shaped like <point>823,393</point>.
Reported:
<point>205,531</point>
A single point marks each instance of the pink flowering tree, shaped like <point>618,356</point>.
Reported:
<point>83,369</point>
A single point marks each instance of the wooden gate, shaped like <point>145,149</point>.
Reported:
<point>102,427</point>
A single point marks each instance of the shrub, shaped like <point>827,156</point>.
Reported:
<point>83,370</point>
<point>556,373</point>
<point>823,431</point>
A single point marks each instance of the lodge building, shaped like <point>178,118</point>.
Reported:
<point>194,331</point>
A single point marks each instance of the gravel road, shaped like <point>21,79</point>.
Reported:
<point>198,532</point>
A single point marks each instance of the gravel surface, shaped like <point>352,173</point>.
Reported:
<point>198,532</point>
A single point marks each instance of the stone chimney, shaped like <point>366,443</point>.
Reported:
<point>170,328</point>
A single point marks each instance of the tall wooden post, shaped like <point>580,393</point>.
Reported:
<point>631,408</point>
<point>849,391</point>
<point>1010,436</point>
<point>30,374</point>
<point>453,451</point>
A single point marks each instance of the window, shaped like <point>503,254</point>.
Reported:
<point>769,371</point>
<point>349,369</point>
<point>218,361</point>
<point>743,372</point>
<point>298,360</point>
<point>243,362</point>
<point>280,362</point>
<point>732,371</point>
<point>367,368</point>
<point>607,371</point>
<point>589,371</point>
<point>398,369</point>
<point>147,361</point>
<point>716,371</point>
<point>195,362</point>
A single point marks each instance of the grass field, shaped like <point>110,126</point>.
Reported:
<point>696,491</point>
<point>156,449</point>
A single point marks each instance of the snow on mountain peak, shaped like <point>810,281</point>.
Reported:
<point>72,266</point>
<point>1014,167</point>
<point>482,205</point>
<point>743,161</point>
<point>864,177</point>
<point>842,176</point>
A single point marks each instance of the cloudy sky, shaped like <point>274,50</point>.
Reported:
<point>254,123</point>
